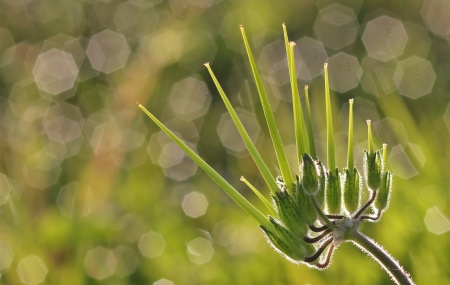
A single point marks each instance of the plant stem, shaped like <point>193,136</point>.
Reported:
<point>321,214</point>
<point>387,262</point>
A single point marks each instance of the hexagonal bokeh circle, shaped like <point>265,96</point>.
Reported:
<point>108,51</point>
<point>190,98</point>
<point>436,14</point>
<point>419,41</point>
<point>313,54</point>
<point>336,26</point>
<point>200,250</point>
<point>100,262</point>
<point>194,204</point>
<point>73,201</point>
<point>151,244</point>
<point>414,77</point>
<point>230,136</point>
<point>377,77</point>
<point>273,63</point>
<point>55,71</point>
<point>32,270</point>
<point>127,261</point>
<point>436,222</point>
<point>175,163</point>
<point>344,72</point>
<point>63,122</point>
<point>384,38</point>
<point>401,163</point>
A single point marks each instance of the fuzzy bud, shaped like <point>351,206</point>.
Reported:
<point>284,241</point>
<point>320,195</point>
<point>289,213</point>
<point>309,174</point>
<point>305,206</point>
<point>373,167</point>
<point>351,187</point>
<point>384,192</point>
<point>333,192</point>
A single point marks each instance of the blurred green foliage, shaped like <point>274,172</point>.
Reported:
<point>85,177</point>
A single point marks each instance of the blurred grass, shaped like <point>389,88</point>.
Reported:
<point>122,194</point>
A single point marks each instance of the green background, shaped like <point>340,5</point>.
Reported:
<point>81,196</point>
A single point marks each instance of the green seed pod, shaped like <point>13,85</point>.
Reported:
<point>285,242</point>
<point>320,195</point>
<point>373,167</point>
<point>309,174</point>
<point>384,192</point>
<point>289,213</point>
<point>333,192</point>
<point>351,187</point>
<point>306,208</point>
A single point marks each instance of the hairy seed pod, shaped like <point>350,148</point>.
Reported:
<point>305,206</point>
<point>351,187</point>
<point>283,240</point>
<point>289,213</point>
<point>384,192</point>
<point>320,195</point>
<point>373,167</point>
<point>309,174</point>
<point>333,192</point>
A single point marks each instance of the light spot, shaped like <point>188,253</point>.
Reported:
<point>190,98</point>
<point>384,38</point>
<point>414,77</point>
<point>200,250</point>
<point>230,136</point>
<point>336,26</point>
<point>55,71</point>
<point>194,204</point>
<point>436,222</point>
<point>108,51</point>
<point>32,270</point>
<point>344,72</point>
<point>73,201</point>
<point>100,262</point>
<point>151,244</point>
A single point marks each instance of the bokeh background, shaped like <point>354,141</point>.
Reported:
<point>91,192</point>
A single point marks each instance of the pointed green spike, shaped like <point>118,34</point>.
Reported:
<point>350,161</point>
<point>330,137</point>
<point>369,137</point>
<point>312,146</point>
<point>286,43</point>
<point>260,196</point>
<point>230,190</point>
<point>301,138</point>
<point>384,153</point>
<point>273,130</point>
<point>265,172</point>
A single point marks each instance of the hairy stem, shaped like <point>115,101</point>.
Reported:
<point>387,262</point>
<point>372,198</point>
<point>321,214</point>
